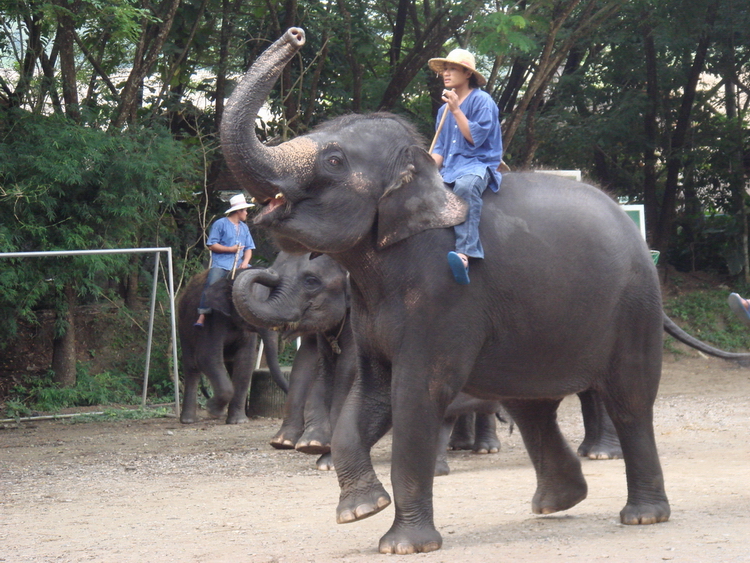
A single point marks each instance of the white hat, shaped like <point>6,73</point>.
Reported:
<point>460,57</point>
<point>237,202</point>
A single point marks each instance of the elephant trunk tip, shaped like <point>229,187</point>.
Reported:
<point>295,36</point>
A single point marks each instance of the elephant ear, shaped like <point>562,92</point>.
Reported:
<point>219,296</point>
<point>416,200</point>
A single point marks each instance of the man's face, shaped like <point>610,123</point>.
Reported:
<point>455,76</point>
<point>242,213</point>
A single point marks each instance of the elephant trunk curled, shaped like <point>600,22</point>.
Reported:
<point>258,307</point>
<point>263,170</point>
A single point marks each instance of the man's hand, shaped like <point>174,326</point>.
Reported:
<point>451,98</point>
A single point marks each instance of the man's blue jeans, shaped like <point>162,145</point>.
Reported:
<point>214,275</point>
<point>470,188</point>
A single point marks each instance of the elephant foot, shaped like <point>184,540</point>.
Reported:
<point>487,446</point>
<point>313,447</point>
<point>286,438</point>
<point>363,505</point>
<point>442,468</point>
<point>188,418</point>
<point>600,450</point>
<point>314,441</point>
<point>461,444</point>
<point>561,497</point>
<point>325,463</point>
<point>215,408</point>
<point>401,540</point>
<point>646,513</point>
<point>238,418</point>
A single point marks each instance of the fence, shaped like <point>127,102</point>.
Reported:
<point>170,289</point>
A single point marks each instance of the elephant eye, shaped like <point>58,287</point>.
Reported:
<point>334,161</point>
<point>312,283</point>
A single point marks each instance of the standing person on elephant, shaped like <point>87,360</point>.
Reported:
<point>468,149</point>
<point>231,246</point>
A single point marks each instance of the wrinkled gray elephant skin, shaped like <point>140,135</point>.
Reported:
<point>308,298</point>
<point>566,300</point>
<point>224,350</point>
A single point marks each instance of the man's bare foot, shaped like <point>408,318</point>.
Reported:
<point>200,321</point>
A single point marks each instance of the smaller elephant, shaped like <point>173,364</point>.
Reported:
<point>309,299</point>
<point>306,297</point>
<point>224,350</point>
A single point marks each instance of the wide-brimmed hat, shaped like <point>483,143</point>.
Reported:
<point>237,202</point>
<point>460,57</point>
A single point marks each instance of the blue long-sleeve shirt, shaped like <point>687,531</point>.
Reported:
<point>226,233</point>
<point>460,157</point>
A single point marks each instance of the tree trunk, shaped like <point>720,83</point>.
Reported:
<point>147,50</point>
<point>66,44</point>
<point>680,135</point>
<point>650,201</point>
<point>131,288</point>
<point>736,169</point>
<point>64,345</point>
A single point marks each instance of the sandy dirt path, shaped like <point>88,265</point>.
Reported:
<point>140,491</point>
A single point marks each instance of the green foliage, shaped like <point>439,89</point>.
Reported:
<point>69,187</point>
<point>42,394</point>
<point>705,315</point>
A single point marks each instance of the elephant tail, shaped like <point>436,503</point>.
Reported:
<point>672,329</point>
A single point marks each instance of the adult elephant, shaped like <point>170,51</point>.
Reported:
<point>566,300</point>
<point>225,340</point>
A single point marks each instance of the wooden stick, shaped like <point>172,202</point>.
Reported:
<point>440,128</point>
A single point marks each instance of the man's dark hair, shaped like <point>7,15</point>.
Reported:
<point>473,81</point>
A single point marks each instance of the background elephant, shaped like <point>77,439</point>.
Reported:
<point>566,300</point>
<point>224,350</point>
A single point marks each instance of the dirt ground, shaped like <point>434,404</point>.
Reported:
<point>155,490</point>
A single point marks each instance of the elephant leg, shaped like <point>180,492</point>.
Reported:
<point>301,380</point>
<point>188,413</point>
<point>364,419</point>
<point>600,440</point>
<point>485,434</point>
<point>441,459</point>
<point>463,433</point>
<point>242,374</point>
<point>629,401</point>
<point>417,420</point>
<point>560,481</point>
<point>325,462</point>
<point>213,367</point>
<point>316,438</point>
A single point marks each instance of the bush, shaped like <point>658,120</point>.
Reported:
<point>705,315</point>
<point>43,394</point>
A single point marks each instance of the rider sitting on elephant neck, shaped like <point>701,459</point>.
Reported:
<point>468,149</point>
<point>230,242</point>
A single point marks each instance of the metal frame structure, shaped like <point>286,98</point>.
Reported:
<point>170,289</point>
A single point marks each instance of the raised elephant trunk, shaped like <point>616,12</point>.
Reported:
<point>264,171</point>
<point>256,307</point>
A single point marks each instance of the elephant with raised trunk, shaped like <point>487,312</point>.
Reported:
<point>224,350</point>
<point>567,299</point>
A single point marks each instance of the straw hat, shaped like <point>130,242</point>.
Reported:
<point>237,202</point>
<point>460,57</point>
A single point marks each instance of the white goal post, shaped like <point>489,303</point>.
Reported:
<point>170,289</point>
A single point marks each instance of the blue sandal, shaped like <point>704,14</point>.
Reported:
<point>460,271</point>
<point>738,308</point>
